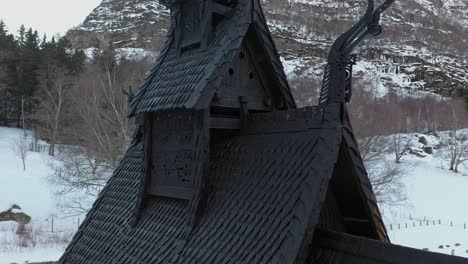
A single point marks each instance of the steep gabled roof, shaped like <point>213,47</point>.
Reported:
<point>269,188</point>
<point>266,189</point>
<point>365,187</point>
<point>180,80</point>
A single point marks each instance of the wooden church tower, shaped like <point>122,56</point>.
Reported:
<point>223,167</point>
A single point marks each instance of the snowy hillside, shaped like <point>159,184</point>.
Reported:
<point>422,50</point>
<point>48,232</point>
<point>125,24</point>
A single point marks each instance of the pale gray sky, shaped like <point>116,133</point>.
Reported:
<point>46,16</point>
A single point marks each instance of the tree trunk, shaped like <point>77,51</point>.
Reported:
<point>22,116</point>
<point>52,148</point>
<point>5,111</point>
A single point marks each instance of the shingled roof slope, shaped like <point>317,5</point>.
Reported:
<point>179,80</point>
<point>341,248</point>
<point>259,186</point>
<point>364,181</point>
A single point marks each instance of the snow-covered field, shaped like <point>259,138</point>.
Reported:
<point>434,217</point>
<point>49,231</point>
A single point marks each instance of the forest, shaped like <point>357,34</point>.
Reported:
<point>68,99</point>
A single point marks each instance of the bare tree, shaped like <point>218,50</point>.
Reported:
<point>400,145</point>
<point>102,107</point>
<point>387,182</point>
<point>78,177</point>
<point>373,148</point>
<point>98,124</point>
<point>458,143</point>
<point>20,147</point>
<point>372,126</point>
<point>55,88</point>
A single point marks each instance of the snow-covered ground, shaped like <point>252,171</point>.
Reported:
<point>436,195</point>
<point>436,216</point>
<point>30,190</point>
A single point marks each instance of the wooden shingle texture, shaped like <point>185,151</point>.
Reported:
<point>256,211</point>
<point>181,80</point>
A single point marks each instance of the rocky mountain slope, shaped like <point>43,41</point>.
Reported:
<point>423,48</point>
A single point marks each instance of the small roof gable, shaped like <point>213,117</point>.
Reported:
<point>180,80</point>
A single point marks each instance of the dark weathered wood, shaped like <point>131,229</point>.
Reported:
<point>172,191</point>
<point>341,248</point>
<point>230,123</point>
<point>221,9</point>
<point>336,87</point>
<point>174,153</point>
<point>224,168</point>
<point>247,80</point>
<point>191,23</point>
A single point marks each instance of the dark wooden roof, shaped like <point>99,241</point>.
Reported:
<point>181,81</point>
<point>339,248</point>
<point>266,189</point>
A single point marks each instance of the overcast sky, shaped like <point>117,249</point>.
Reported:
<point>46,16</point>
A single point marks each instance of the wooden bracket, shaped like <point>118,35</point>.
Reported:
<point>244,114</point>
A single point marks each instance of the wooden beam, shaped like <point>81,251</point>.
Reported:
<point>225,123</point>
<point>356,220</point>
<point>220,9</point>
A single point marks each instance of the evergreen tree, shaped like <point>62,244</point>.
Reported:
<point>27,64</point>
<point>106,58</point>
<point>21,35</point>
<point>3,30</point>
<point>29,59</point>
<point>8,61</point>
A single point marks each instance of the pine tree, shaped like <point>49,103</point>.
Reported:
<point>21,35</point>
<point>3,30</point>
<point>8,61</point>
<point>29,59</point>
<point>106,58</point>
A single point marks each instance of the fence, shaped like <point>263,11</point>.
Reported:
<point>45,232</point>
<point>57,224</point>
<point>42,147</point>
<point>38,147</point>
<point>417,223</point>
